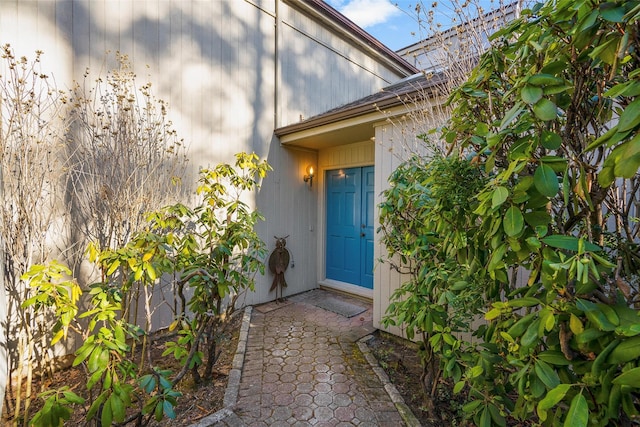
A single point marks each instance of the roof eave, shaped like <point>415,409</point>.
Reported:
<point>394,99</point>
<point>351,113</point>
<point>348,29</point>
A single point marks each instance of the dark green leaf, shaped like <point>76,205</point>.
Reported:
<point>118,408</point>
<point>611,12</point>
<point>511,115</point>
<point>569,243</point>
<point>544,79</point>
<point>524,302</point>
<point>531,94</point>
<point>496,416</point>
<point>606,52</point>
<point>630,88</point>
<point>99,359</point>
<point>107,415</point>
<point>630,117</point>
<point>630,377</point>
<point>589,335</point>
<point>628,163</point>
<point>626,351</point>
<point>537,218</point>
<point>485,418</point>
<point>546,374</point>
<point>530,336</point>
<point>557,163</point>
<point>588,21</point>
<point>554,358</point>
<point>168,409</point>
<point>550,140</point>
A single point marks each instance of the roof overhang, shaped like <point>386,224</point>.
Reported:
<point>341,131</point>
<point>355,122</point>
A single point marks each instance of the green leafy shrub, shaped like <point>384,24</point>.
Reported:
<point>426,214</point>
<point>210,254</point>
<point>551,116</point>
<point>218,258</point>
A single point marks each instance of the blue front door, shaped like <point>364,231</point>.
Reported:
<point>350,209</point>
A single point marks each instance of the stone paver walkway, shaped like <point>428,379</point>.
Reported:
<point>303,367</point>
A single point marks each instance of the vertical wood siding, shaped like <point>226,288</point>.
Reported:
<point>395,142</point>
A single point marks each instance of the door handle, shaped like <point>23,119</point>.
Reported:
<point>361,234</point>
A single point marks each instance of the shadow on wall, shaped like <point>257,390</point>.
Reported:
<point>290,206</point>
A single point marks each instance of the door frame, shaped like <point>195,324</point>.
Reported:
<point>322,235</point>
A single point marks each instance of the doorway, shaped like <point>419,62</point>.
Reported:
<point>350,222</point>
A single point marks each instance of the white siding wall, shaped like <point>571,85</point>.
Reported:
<point>215,62</point>
<point>394,142</point>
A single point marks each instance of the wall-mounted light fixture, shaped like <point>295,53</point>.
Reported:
<point>309,176</point>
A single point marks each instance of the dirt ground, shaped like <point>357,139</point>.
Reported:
<point>399,358</point>
<point>197,401</point>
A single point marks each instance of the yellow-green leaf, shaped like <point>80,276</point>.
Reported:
<point>513,221</point>
<point>57,336</point>
<point>578,414</point>
<point>575,324</point>
<point>546,181</point>
<point>492,314</point>
<point>500,195</point>
<point>545,110</point>
<point>151,272</point>
<point>114,265</point>
<point>551,399</point>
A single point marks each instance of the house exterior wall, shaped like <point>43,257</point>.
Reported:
<point>463,42</point>
<point>395,141</point>
<point>328,70</point>
<point>231,70</point>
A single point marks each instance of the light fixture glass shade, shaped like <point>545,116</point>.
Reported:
<point>309,176</point>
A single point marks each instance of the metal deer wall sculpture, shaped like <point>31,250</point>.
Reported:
<point>278,263</point>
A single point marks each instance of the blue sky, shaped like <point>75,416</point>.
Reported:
<point>395,22</point>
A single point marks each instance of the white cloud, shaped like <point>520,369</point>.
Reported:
<point>367,13</point>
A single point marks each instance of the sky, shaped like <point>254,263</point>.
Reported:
<point>395,22</point>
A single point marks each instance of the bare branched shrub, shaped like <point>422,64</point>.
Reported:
<point>32,128</point>
<point>453,36</point>
<point>126,158</point>
<point>78,167</point>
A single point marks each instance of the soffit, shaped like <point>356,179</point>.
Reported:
<point>354,122</point>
